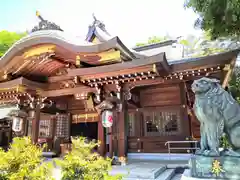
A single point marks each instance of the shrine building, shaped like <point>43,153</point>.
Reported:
<point>53,87</point>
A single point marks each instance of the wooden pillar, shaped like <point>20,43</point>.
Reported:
<point>122,137</point>
<point>115,131</point>
<point>101,137</point>
<point>35,125</point>
<point>110,142</point>
<point>185,121</point>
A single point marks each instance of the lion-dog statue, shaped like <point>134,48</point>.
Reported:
<point>218,114</point>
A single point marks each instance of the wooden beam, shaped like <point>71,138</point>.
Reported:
<point>67,91</point>
<point>229,72</point>
<point>134,104</point>
<point>59,78</point>
<point>23,82</point>
<point>141,63</point>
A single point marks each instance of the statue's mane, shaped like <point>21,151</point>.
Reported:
<point>217,93</point>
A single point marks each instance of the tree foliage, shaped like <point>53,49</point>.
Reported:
<point>203,45</point>
<point>153,40</point>
<point>81,163</point>
<point>23,161</point>
<point>7,39</point>
<point>234,84</point>
<point>221,18</point>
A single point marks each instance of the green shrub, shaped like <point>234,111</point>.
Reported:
<point>82,164</point>
<point>224,142</point>
<point>23,161</point>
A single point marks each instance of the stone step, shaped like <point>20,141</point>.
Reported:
<point>166,175</point>
<point>139,171</point>
<point>177,177</point>
<point>160,156</point>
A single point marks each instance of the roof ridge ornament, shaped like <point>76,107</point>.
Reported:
<point>45,25</point>
<point>98,23</point>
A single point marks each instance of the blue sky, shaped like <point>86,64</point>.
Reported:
<point>132,20</point>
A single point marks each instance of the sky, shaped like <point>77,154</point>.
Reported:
<point>133,21</point>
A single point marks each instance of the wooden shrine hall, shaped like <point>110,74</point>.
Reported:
<point>96,87</point>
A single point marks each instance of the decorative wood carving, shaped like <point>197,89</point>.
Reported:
<point>45,25</point>
<point>62,71</point>
<point>127,95</point>
<point>85,117</point>
<point>67,84</point>
<point>42,102</point>
<point>44,50</point>
<point>104,105</point>
<point>89,104</point>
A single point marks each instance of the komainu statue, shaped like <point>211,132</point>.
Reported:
<point>218,114</point>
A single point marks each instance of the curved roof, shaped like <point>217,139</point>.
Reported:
<point>62,39</point>
<point>67,47</point>
<point>64,49</point>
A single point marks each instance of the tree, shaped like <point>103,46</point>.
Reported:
<point>24,160</point>
<point>221,18</point>
<point>82,163</point>
<point>234,84</point>
<point>7,39</point>
<point>203,45</point>
<point>153,40</point>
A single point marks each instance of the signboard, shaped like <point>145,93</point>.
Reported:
<point>107,118</point>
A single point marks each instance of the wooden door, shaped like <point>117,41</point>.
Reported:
<point>150,128</point>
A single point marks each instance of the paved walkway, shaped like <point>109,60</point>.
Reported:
<point>151,170</point>
<point>143,170</point>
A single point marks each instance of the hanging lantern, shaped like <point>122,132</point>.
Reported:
<point>17,125</point>
<point>107,118</point>
<point>18,116</point>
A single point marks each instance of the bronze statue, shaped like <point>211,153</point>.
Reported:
<point>218,114</point>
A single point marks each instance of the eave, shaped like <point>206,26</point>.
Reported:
<point>202,66</point>
<point>127,71</point>
<point>23,82</point>
<point>19,87</point>
<point>50,50</point>
<point>204,62</point>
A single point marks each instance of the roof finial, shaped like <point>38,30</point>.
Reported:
<point>45,25</point>
<point>94,17</point>
<point>37,13</point>
<point>97,22</point>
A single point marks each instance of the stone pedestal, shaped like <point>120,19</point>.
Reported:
<point>202,167</point>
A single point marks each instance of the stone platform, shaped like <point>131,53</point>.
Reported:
<point>144,171</point>
<point>202,167</point>
<point>187,176</point>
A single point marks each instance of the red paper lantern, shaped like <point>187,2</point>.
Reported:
<point>107,118</point>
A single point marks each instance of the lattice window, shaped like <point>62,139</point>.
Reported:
<point>162,123</point>
<point>131,124</point>
<point>45,128</point>
<point>62,125</point>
